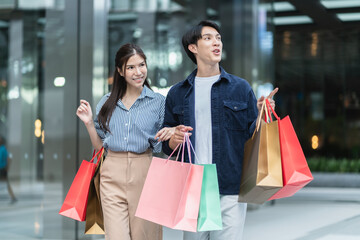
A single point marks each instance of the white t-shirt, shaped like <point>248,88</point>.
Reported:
<point>203,132</point>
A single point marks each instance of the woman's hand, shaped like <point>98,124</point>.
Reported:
<point>84,112</point>
<point>165,134</point>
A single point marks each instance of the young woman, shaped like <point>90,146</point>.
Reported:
<point>128,125</point>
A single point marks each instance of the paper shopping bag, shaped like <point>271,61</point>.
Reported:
<point>74,205</point>
<point>296,172</point>
<point>209,212</point>
<point>94,215</point>
<point>262,174</point>
<point>171,194</point>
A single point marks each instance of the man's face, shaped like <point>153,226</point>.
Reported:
<point>208,49</point>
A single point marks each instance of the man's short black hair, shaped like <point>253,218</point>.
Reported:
<point>194,34</point>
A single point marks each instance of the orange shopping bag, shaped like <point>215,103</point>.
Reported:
<point>171,193</point>
<point>296,172</point>
<point>74,205</point>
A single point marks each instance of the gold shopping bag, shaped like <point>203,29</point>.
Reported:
<point>262,173</point>
<point>94,215</point>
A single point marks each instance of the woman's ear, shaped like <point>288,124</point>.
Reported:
<point>192,48</point>
<point>119,71</point>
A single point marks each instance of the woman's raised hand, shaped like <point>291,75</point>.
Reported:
<point>165,134</point>
<point>84,112</point>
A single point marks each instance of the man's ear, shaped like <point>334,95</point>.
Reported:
<point>119,71</point>
<point>192,48</point>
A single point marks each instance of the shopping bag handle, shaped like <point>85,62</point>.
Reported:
<point>189,143</point>
<point>97,155</point>
<point>186,136</point>
<point>258,121</point>
<point>177,156</point>
<point>181,147</point>
<point>269,107</point>
<point>268,117</point>
<point>175,151</point>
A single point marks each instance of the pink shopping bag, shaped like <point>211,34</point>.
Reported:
<point>171,193</point>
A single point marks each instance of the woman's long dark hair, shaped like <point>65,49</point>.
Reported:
<point>119,84</point>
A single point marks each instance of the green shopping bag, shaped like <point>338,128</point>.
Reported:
<point>209,212</point>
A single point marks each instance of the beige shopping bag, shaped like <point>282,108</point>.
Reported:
<point>94,215</point>
<point>262,172</point>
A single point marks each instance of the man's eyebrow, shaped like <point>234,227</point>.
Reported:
<point>209,34</point>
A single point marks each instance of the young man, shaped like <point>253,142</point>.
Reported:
<point>220,110</point>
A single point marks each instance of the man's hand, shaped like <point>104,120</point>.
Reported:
<point>178,136</point>
<point>270,96</point>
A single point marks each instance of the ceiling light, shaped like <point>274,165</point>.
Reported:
<point>340,4</point>
<point>278,6</point>
<point>283,7</point>
<point>59,81</point>
<point>349,16</point>
<point>292,20</point>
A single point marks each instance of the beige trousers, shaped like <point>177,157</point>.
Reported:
<point>122,177</point>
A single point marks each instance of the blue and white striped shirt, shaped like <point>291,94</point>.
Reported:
<point>133,130</point>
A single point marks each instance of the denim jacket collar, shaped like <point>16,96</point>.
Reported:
<point>191,78</point>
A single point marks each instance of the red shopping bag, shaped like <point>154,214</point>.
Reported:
<point>296,172</point>
<point>74,205</point>
<point>171,193</point>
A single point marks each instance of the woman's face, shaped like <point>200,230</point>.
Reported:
<point>135,72</point>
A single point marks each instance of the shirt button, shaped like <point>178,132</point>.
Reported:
<point>125,138</point>
<point>235,108</point>
<point>126,124</point>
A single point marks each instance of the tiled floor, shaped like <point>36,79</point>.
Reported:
<point>312,214</point>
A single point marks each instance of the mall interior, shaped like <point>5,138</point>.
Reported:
<point>55,52</point>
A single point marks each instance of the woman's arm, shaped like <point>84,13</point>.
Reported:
<point>165,134</point>
<point>84,112</point>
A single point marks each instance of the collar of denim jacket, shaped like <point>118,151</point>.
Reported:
<point>223,75</point>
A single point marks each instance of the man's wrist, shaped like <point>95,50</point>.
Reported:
<point>172,143</point>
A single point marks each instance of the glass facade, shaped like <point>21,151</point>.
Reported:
<point>53,53</point>
<point>317,72</point>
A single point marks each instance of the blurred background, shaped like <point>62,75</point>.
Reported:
<point>55,52</point>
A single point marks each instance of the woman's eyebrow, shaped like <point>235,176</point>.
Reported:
<point>134,65</point>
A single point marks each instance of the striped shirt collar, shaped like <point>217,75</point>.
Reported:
<point>146,92</point>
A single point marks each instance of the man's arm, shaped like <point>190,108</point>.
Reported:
<point>171,121</point>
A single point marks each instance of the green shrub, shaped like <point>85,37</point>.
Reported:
<point>322,164</point>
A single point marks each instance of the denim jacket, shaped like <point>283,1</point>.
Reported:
<point>233,117</point>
